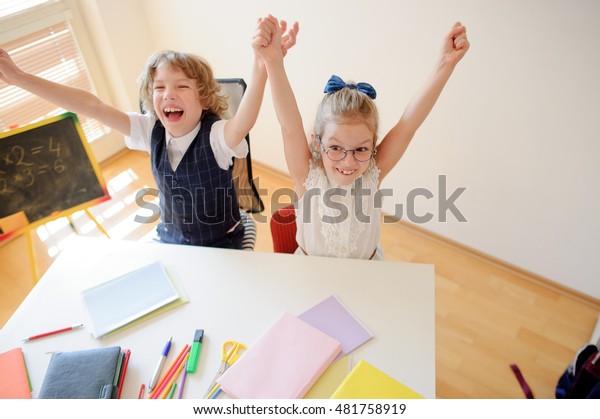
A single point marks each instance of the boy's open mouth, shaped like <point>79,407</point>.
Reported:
<point>173,114</point>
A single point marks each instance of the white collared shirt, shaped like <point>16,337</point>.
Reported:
<point>176,147</point>
<point>141,134</point>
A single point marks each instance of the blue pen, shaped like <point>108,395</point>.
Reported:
<point>161,362</point>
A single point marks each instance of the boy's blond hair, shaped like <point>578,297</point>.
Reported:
<point>346,104</point>
<point>195,68</point>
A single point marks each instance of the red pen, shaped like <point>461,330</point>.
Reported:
<point>54,332</point>
<point>142,391</point>
<point>123,372</point>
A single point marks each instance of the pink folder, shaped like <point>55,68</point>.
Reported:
<point>283,364</point>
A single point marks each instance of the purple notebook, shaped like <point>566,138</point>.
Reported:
<point>331,317</point>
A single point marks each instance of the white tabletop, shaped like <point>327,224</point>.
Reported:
<point>233,295</point>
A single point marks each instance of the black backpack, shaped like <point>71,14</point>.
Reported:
<point>581,379</point>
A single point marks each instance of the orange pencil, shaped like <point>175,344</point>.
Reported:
<point>158,390</point>
<point>171,368</point>
<point>166,382</point>
<point>175,376</point>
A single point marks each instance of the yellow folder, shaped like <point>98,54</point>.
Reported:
<point>367,382</point>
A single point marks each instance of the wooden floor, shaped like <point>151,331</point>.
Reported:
<point>487,314</point>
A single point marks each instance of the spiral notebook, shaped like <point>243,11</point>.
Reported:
<point>127,298</point>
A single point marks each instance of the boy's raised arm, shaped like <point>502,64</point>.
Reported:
<point>69,98</point>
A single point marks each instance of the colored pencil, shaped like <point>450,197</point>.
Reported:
<point>169,388</point>
<point>182,384</point>
<point>54,332</point>
<point>142,391</point>
<point>159,389</point>
<point>173,366</point>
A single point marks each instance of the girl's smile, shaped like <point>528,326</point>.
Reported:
<point>349,136</point>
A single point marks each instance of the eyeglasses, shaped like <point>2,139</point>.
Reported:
<point>337,153</point>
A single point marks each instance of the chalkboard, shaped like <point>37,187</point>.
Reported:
<point>47,170</point>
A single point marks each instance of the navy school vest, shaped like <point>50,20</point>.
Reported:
<point>198,203</point>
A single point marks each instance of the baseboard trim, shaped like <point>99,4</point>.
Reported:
<point>498,263</point>
<point>483,257</point>
<point>272,171</point>
<point>109,160</point>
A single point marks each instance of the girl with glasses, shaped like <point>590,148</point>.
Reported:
<point>337,174</point>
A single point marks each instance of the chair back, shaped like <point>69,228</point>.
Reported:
<point>283,230</point>
<point>246,191</point>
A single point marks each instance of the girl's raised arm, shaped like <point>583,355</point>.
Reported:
<point>395,143</point>
<point>245,118</point>
<point>297,152</point>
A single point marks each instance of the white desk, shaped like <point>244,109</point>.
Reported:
<point>234,295</point>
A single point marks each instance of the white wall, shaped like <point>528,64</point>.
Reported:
<point>517,124</point>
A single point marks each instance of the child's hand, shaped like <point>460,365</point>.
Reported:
<point>267,38</point>
<point>288,38</point>
<point>8,70</point>
<point>455,44</point>
<point>272,38</point>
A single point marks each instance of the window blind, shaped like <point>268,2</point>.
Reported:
<point>52,54</point>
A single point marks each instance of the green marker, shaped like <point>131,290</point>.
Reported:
<point>195,351</point>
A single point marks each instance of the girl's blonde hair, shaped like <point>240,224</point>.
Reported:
<point>195,68</point>
<point>345,104</point>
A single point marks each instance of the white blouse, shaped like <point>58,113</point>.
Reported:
<point>335,221</point>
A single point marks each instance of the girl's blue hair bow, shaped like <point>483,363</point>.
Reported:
<point>335,83</point>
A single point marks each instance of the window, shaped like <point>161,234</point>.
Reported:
<point>10,7</point>
<point>51,53</point>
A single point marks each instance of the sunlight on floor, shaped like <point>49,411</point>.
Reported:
<point>121,181</point>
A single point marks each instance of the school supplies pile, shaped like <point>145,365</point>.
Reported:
<point>97,373</point>
<point>166,386</point>
<point>295,353</point>
<point>132,297</point>
<point>175,377</point>
<point>15,380</point>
